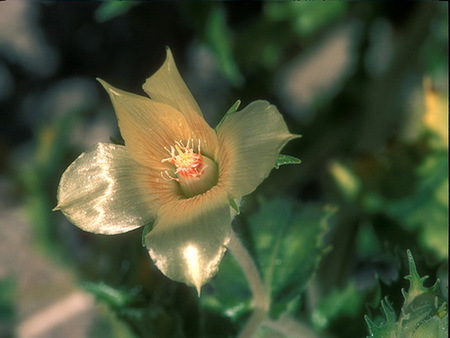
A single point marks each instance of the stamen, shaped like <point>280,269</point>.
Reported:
<point>187,162</point>
<point>168,176</point>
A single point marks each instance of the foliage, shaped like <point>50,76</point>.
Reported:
<point>7,307</point>
<point>424,312</point>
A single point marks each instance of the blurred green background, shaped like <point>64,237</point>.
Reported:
<point>364,83</point>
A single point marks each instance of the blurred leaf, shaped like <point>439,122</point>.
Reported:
<point>289,246</point>
<point>105,324</point>
<point>114,297</point>
<point>426,211</point>
<point>228,293</point>
<point>436,115</point>
<point>345,302</point>
<point>218,36</point>
<point>347,182</point>
<point>110,9</point>
<point>306,17</point>
<point>145,317</point>
<point>7,308</point>
<point>424,312</point>
<point>38,177</point>
<point>367,242</point>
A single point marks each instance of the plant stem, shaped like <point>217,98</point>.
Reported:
<point>260,296</point>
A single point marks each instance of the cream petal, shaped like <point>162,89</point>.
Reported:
<point>148,127</point>
<point>249,142</point>
<point>190,237</point>
<point>104,191</point>
<point>167,86</point>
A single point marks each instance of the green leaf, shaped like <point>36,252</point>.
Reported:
<point>347,182</point>
<point>306,17</point>
<point>233,109</point>
<point>38,177</point>
<point>110,9</point>
<point>387,329</point>
<point>426,211</point>
<point>7,306</point>
<point>144,316</point>
<point>424,312</point>
<point>347,301</point>
<point>286,159</point>
<point>219,37</point>
<point>116,298</point>
<point>288,245</point>
<point>228,293</point>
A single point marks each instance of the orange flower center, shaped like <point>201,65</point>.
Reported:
<point>195,173</point>
<point>187,162</point>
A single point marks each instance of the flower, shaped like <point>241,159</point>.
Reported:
<point>175,173</point>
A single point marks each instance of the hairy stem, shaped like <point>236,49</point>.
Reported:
<point>261,300</point>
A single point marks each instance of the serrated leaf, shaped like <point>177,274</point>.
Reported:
<point>388,327</point>
<point>423,314</point>
<point>289,246</point>
<point>286,159</point>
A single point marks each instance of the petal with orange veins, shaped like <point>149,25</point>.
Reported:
<point>249,143</point>
<point>190,237</point>
<point>167,86</point>
<point>105,191</point>
<point>148,127</point>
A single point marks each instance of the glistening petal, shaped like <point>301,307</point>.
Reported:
<point>249,142</point>
<point>167,86</point>
<point>104,191</point>
<point>190,237</point>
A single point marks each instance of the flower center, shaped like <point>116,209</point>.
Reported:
<point>187,162</point>
<point>194,172</point>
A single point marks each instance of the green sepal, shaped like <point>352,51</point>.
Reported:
<point>147,228</point>
<point>233,109</point>
<point>117,141</point>
<point>286,159</point>
<point>234,206</point>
